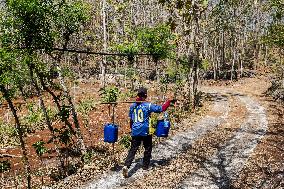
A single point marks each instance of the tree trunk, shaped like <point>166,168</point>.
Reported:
<point>223,48</point>
<point>265,55</point>
<point>73,111</point>
<point>56,101</point>
<point>157,71</point>
<point>66,93</point>
<point>44,110</point>
<point>215,59</point>
<point>196,59</point>
<point>38,94</point>
<point>195,83</point>
<point>103,63</point>
<point>20,133</point>
<point>233,62</point>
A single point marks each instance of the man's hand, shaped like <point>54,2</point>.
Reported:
<point>174,100</point>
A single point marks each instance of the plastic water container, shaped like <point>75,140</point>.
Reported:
<point>163,127</point>
<point>110,133</point>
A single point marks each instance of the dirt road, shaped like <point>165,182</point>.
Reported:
<point>216,152</point>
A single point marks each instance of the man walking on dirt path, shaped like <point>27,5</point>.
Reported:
<point>139,114</point>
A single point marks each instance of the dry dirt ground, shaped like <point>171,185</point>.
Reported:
<point>237,144</point>
<point>236,141</point>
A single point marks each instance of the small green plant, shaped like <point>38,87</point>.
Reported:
<point>153,123</point>
<point>66,72</point>
<point>86,105</point>
<point>51,112</point>
<point>125,141</point>
<point>185,63</point>
<point>127,95</point>
<point>130,73</point>
<point>154,120</point>
<point>40,148</point>
<point>87,157</point>
<point>172,73</point>
<point>8,135</point>
<point>35,117</point>
<point>4,166</point>
<point>109,94</point>
<point>205,64</point>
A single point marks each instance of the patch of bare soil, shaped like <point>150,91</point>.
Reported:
<point>265,168</point>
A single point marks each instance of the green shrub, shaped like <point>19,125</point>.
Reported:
<point>40,148</point>
<point>128,48</point>
<point>156,41</point>
<point>205,64</point>
<point>8,135</point>
<point>87,157</point>
<point>127,95</point>
<point>125,141</point>
<point>86,105</point>
<point>109,94</point>
<point>35,118</point>
<point>4,166</point>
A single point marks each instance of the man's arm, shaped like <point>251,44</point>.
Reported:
<point>158,109</point>
<point>166,105</point>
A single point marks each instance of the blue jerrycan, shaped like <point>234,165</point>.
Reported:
<point>163,126</point>
<point>110,133</point>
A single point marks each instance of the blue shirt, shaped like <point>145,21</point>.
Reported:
<point>140,113</point>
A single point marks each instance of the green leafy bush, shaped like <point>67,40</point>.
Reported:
<point>156,41</point>
<point>40,148</point>
<point>8,135</point>
<point>51,112</point>
<point>87,157</point>
<point>125,141</point>
<point>86,105</point>
<point>154,120</point>
<point>205,64</point>
<point>128,94</point>
<point>129,48</point>
<point>34,120</point>
<point>109,94</point>
<point>130,72</point>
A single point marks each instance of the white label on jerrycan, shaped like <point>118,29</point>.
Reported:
<point>166,124</point>
<point>166,120</point>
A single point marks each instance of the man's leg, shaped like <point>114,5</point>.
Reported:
<point>147,143</point>
<point>135,143</point>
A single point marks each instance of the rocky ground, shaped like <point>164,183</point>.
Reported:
<point>237,144</point>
